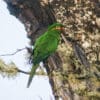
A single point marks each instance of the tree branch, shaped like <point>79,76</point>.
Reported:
<point>40,72</point>
<point>21,71</point>
<point>11,54</point>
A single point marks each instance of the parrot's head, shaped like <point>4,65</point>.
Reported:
<point>56,26</point>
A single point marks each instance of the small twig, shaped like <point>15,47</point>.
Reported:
<point>92,51</point>
<point>28,73</point>
<point>18,50</point>
<point>24,72</point>
<point>63,37</point>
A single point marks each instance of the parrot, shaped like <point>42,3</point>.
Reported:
<point>44,46</point>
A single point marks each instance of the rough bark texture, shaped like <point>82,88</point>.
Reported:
<point>70,80</point>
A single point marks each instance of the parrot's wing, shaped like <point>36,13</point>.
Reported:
<point>44,47</point>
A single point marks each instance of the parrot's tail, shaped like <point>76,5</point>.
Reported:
<point>32,73</point>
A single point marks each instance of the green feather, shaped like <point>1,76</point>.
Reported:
<point>44,46</point>
<point>32,73</point>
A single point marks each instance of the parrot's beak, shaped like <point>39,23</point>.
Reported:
<point>62,28</point>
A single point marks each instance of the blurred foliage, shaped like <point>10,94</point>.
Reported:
<point>11,70</point>
<point>8,70</point>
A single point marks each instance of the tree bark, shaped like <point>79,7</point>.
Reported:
<point>62,67</point>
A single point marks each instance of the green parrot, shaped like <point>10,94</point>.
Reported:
<point>44,46</point>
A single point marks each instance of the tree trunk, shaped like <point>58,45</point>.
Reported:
<point>66,73</point>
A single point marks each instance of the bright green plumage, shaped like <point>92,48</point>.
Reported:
<point>44,46</point>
